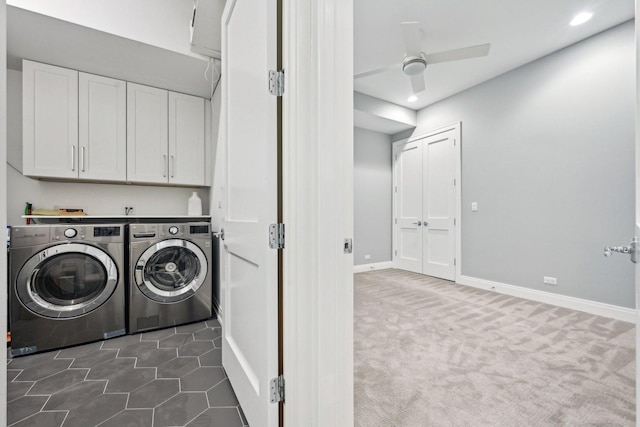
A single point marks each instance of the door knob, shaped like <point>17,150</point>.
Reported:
<point>631,249</point>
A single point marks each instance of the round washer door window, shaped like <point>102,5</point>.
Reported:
<point>171,270</point>
<point>67,280</point>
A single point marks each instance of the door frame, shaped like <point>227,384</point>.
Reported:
<point>318,212</point>
<point>456,127</point>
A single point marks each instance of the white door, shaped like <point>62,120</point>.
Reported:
<point>408,206</point>
<point>250,306</point>
<point>102,128</point>
<point>186,139</point>
<point>439,206</point>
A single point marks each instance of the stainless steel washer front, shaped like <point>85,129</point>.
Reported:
<point>170,275</point>
<point>67,280</point>
<point>171,270</point>
<point>67,285</point>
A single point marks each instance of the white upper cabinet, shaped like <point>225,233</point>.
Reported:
<point>165,137</point>
<point>102,128</point>
<point>147,134</point>
<point>93,128</point>
<point>186,139</point>
<point>50,121</point>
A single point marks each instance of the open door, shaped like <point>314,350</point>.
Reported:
<point>250,278</point>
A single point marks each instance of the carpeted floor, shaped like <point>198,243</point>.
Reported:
<point>432,353</point>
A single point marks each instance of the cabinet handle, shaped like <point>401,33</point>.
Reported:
<point>164,165</point>
<point>82,159</point>
<point>173,166</point>
<point>73,157</point>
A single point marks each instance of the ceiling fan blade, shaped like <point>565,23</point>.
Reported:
<point>378,71</point>
<point>417,83</point>
<point>412,38</point>
<point>457,54</point>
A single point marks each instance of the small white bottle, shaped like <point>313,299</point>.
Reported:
<point>194,207</point>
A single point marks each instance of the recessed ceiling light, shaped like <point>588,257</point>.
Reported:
<point>581,18</point>
<point>412,98</point>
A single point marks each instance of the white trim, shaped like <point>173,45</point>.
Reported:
<point>592,307</point>
<point>3,205</point>
<point>373,266</point>
<point>317,167</point>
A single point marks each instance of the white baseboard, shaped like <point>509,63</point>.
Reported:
<point>592,307</point>
<point>374,266</point>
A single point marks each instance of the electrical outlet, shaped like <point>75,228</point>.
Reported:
<point>550,280</point>
<point>474,206</point>
<point>367,257</point>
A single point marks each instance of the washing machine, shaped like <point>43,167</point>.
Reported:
<point>170,275</point>
<point>67,285</point>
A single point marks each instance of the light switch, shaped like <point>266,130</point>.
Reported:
<point>474,206</point>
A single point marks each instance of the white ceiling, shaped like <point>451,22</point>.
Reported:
<point>519,31</point>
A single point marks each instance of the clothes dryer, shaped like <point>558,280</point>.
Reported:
<point>170,275</point>
<point>67,285</point>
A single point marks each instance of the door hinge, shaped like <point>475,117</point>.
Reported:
<point>276,236</point>
<point>396,189</point>
<point>276,82</point>
<point>454,182</point>
<point>277,389</point>
<point>396,252</point>
<point>454,221</point>
<point>454,261</point>
<point>396,220</point>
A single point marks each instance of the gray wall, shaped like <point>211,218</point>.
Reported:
<point>548,154</point>
<point>372,182</point>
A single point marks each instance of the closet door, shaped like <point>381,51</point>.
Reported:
<point>408,205</point>
<point>186,139</point>
<point>439,206</point>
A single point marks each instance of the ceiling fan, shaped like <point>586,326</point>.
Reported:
<point>415,61</point>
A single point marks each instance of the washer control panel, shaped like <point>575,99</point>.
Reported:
<point>70,233</point>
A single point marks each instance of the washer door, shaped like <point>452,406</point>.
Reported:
<point>171,271</point>
<point>67,280</point>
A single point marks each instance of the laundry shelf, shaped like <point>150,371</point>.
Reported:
<point>97,219</point>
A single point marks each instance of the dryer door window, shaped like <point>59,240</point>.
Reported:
<point>171,270</point>
<point>67,280</point>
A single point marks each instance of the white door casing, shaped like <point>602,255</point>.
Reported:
<point>250,324</point>
<point>408,206</point>
<point>637,204</point>
<point>438,211</point>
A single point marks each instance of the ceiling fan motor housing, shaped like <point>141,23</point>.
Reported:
<point>414,65</point>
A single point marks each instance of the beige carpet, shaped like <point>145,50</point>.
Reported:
<point>432,353</point>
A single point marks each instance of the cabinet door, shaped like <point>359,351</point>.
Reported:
<point>102,128</point>
<point>50,121</point>
<point>147,151</point>
<point>186,139</point>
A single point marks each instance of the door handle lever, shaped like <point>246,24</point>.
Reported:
<point>419,223</point>
<point>631,250</point>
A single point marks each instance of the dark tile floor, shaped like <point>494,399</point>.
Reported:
<point>169,377</point>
